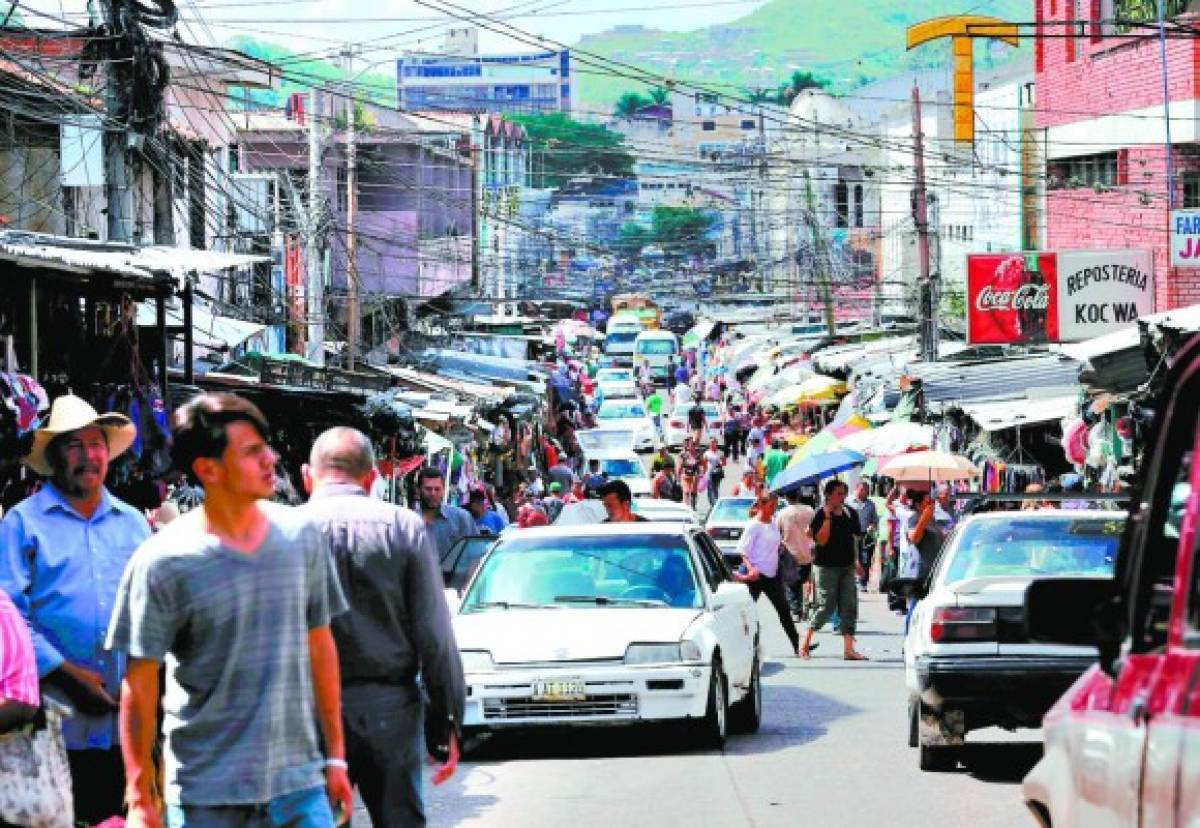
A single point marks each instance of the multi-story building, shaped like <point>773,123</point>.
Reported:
<point>460,79</point>
<point>1101,103</point>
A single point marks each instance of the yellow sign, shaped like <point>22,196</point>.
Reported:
<point>962,29</point>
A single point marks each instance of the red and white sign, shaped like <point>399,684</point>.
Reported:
<point>1064,296</point>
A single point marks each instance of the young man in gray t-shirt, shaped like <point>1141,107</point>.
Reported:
<point>236,599</point>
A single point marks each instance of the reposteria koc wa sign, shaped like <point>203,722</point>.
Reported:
<point>1063,296</point>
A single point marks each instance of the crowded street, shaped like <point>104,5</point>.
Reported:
<point>697,413</point>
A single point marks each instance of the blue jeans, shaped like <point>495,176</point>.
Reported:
<point>300,809</point>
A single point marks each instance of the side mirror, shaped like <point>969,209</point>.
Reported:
<point>907,588</point>
<point>729,593</point>
<point>453,600</point>
<point>1072,611</point>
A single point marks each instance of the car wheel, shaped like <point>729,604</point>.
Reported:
<point>745,716</point>
<point>914,723</point>
<point>715,726</point>
<point>939,758</point>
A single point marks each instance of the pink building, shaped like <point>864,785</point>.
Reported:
<point>1100,104</point>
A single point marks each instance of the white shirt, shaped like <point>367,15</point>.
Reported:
<point>760,545</point>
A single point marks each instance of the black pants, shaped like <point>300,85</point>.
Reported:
<point>384,738</point>
<point>97,784</point>
<point>773,589</point>
<point>740,443</point>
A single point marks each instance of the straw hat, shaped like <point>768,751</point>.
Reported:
<point>70,413</point>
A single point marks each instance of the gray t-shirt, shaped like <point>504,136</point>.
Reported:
<point>239,712</point>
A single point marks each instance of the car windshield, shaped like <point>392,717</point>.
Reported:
<point>621,337</point>
<point>1065,546</point>
<point>588,571</point>
<point>657,347</point>
<point>711,411</point>
<point>620,412</point>
<point>623,467</point>
<point>731,510</point>
<point>473,550</point>
<point>614,375</point>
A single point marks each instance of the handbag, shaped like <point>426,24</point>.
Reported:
<point>35,779</point>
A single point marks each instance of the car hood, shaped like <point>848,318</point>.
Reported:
<point>570,634</point>
<point>630,423</point>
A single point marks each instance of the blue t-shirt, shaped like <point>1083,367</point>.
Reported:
<point>489,524</point>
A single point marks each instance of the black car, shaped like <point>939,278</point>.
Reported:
<point>679,322</point>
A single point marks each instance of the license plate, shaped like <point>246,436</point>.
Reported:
<point>566,689</point>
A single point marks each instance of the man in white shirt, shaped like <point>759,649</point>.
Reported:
<point>793,522</point>
<point>759,548</point>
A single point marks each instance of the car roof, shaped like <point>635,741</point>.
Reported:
<point>1046,514</point>
<point>590,530</point>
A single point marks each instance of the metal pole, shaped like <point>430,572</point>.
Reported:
<point>316,278</point>
<point>820,270</point>
<point>33,327</point>
<point>921,220</point>
<point>189,374</point>
<point>1162,45</point>
<point>353,308</point>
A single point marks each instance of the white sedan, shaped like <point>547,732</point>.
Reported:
<point>630,415</point>
<point>675,428</point>
<point>609,624</point>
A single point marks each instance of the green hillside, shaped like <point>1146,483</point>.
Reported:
<point>849,42</point>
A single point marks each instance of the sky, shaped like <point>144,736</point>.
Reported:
<point>406,24</point>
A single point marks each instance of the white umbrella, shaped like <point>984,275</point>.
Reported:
<point>929,466</point>
<point>889,439</point>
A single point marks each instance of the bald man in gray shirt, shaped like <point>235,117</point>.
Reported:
<point>398,626</point>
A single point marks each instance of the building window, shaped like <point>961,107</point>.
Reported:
<point>749,124</point>
<point>1135,14</point>
<point>841,198</point>
<point>708,126</point>
<point>1084,171</point>
<point>858,205</point>
<point>1191,190</point>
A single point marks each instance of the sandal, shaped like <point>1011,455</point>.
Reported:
<point>854,656</point>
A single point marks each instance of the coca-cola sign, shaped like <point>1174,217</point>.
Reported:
<point>1063,296</point>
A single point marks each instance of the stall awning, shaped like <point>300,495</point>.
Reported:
<point>1115,362</point>
<point>84,256</point>
<point>997,415</point>
<point>209,330</point>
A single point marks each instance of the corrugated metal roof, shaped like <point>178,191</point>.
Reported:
<point>1116,362</point>
<point>997,415</point>
<point>958,382</point>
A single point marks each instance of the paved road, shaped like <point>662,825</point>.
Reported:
<point>831,751</point>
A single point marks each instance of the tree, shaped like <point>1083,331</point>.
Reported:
<point>629,103</point>
<point>632,239</point>
<point>660,95</point>
<point>798,82</point>
<point>682,230</point>
<point>564,148</point>
<point>761,96</point>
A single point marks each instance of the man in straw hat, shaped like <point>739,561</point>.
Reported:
<point>62,552</point>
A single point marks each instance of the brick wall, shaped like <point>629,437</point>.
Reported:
<point>1080,79</point>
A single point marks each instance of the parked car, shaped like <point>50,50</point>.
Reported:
<point>609,624</point>
<point>669,511</point>
<point>630,415</point>
<point>1122,745</point>
<point>726,521</point>
<point>968,663</point>
<point>460,560</point>
<point>675,428</point>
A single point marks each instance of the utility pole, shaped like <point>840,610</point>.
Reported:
<point>312,257</point>
<point>820,256</point>
<point>353,306</point>
<point>920,206</point>
<point>117,193</point>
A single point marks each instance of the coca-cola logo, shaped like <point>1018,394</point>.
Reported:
<point>1026,297</point>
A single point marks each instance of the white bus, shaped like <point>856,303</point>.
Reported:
<point>619,338</point>
<point>656,349</point>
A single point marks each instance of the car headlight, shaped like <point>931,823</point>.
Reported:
<point>662,653</point>
<point>477,661</point>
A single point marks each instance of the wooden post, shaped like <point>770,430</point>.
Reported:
<point>188,368</point>
<point>33,327</point>
<point>164,345</point>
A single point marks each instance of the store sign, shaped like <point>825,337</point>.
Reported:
<point>1185,238</point>
<point>1066,296</point>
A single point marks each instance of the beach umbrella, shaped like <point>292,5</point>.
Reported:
<point>892,438</point>
<point>814,468</point>
<point>829,438</point>
<point>929,466</point>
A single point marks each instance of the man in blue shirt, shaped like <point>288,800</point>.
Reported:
<point>487,522</point>
<point>62,554</point>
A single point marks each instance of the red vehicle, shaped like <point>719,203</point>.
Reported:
<point>1122,746</point>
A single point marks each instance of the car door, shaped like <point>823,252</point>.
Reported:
<point>1170,791</point>
<point>735,624</point>
<point>1115,771</point>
